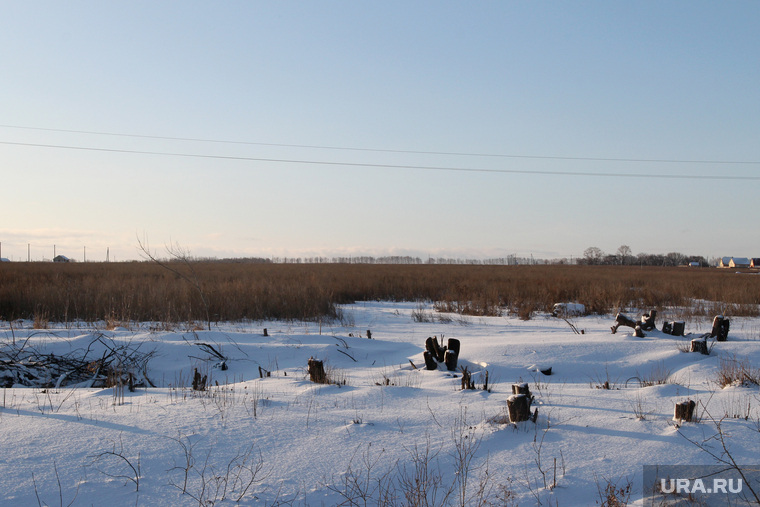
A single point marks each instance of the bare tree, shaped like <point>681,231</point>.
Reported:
<point>624,252</point>
<point>593,255</point>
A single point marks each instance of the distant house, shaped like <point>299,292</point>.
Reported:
<point>725,262</point>
<point>4,259</point>
<point>754,263</point>
<point>61,258</point>
<point>694,264</point>
<point>739,262</point>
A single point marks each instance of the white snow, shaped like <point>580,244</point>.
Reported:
<point>310,444</point>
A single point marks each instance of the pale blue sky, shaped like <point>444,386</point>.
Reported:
<point>576,80</point>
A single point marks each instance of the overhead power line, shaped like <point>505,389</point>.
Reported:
<point>721,177</point>
<point>380,150</point>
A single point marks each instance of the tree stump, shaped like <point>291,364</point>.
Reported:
<point>684,411</point>
<point>369,334</point>
<point>667,327</point>
<point>699,345</point>
<point>622,320</point>
<point>454,345</point>
<point>638,333</point>
<point>266,333</point>
<point>679,328</point>
<point>199,383</point>
<point>647,320</point>
<point>720,328</point>
<point>521,389</point>
<point>450,359</point>
<point>432,345</point>
<point>518,406</point>
<point>430,362</point>
<point>317,371</point>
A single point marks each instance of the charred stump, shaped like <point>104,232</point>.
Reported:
<point>699,345</point>
<point>638,333</point>
<point>720,328</point>
<point>518,406</point>
<point>622,320</point>
<point>431,344</point>
<point>522,388</point>
<point>450,359</point>
<point>199,382</point>
<point>317,371</point>
<point>266,333</point>
<point>647,320</point>
<point>430,362</point>
<point>684,411</point>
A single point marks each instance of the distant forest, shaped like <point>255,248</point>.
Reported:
<point>592,256</point>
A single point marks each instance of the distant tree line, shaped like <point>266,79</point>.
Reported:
<point>594,256</point>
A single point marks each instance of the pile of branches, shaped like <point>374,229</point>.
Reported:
<point>104,363</point>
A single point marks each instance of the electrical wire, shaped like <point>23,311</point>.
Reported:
<point>721,177</point>
<point>378,150</point>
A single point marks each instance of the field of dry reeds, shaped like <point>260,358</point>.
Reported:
<point>227,291</point>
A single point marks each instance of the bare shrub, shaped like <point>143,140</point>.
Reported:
<point>614,494</point>
<point>736,371</point>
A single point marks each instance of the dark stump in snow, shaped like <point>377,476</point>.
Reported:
<point>317,371</point>
<point>647,320</point>
<point>720,328</point>
<point>699,345</point>
<point>450,359</point>
<point>518,406</point>
<point>623,320</point>
<point>684,411</point>
<point>430,362</point>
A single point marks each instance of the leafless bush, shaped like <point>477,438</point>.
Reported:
<point>116,464</point>
<point>209,484</point>
<point>736,371</point>
<point>614,493</point>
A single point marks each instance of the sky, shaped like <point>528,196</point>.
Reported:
<point>335,128</point>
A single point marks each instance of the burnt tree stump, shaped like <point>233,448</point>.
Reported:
<point>453,344</point>
<point>667,327</point>
<point>317,371</point>
<point>638,333</point>
<point>432,345</point>
<point>266,333</point>
<point>450,359</point>
<point>369,334</point>
<point>699,345</point>
<point>518,406</point>
<point>679,327</point>
<point>622,320</point>
<point>684,411</point>
<point>522,388</point>
<point>647,320</point>
<point>199,382</point>
<point>720,328</point>
<point>430,362</point>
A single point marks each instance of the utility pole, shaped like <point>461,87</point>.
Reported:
<point>84,248</point>
<point>108,253</point>
<point>28,252</point>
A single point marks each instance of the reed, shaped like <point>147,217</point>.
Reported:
<point>143,291</point>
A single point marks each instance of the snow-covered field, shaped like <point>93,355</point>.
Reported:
<point>388,430</point>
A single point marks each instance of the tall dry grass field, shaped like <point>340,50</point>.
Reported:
<point>143,291</point>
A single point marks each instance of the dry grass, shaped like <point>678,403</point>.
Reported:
<point>737,371</point>
<point>142,291</point>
